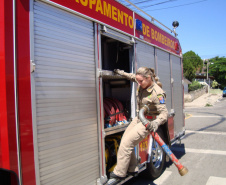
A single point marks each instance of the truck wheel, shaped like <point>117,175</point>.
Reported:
<point>157,161</point>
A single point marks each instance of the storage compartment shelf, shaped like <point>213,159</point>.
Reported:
<point>116,129</point>
<point>110,75</point>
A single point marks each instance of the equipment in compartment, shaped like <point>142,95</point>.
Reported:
<point>111,149</point>
<point>114,113</point>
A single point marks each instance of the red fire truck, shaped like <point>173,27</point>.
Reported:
<point>62,109</point>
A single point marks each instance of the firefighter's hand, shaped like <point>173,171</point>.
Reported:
<point>118,71</point>
<point>152,126</point>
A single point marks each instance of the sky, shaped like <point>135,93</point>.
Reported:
<point>202,23</point>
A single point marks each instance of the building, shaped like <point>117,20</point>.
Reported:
<point>186,83</point>
<point>201,75</point>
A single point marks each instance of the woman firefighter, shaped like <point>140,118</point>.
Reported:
<point>152,96</point>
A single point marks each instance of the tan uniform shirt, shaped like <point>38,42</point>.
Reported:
<point>154,97</point>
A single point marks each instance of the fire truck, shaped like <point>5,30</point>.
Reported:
<point>63,110</point>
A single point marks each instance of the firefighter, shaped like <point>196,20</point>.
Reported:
<point>148,94</point>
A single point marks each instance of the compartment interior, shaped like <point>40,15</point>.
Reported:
<point>117,55</point>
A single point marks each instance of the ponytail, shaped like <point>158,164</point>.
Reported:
<point>158,82</point>
<point>156,78</point>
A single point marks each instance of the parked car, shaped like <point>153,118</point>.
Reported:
<point>224,92</point>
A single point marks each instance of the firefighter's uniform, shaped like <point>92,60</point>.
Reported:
<point>154,97</point>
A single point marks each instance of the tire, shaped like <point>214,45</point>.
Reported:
<point>158,160</point>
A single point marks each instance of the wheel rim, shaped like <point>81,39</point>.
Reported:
<point>157,154</point>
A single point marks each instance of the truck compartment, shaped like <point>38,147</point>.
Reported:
<point>116,95</point>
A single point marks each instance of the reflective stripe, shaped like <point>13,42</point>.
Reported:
<point>150,117</point>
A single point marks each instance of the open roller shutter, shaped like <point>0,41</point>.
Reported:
<point>65,97</point>
<point>115,35</point>
<point>145,55</point>
<point>177,94</point>
<point>163,64</point>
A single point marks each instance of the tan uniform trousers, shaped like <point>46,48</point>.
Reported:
<point>126,159</point>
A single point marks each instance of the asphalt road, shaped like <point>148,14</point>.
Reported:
<point>202,151</point>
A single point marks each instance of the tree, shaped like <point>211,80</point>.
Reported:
<point>189,71</point>
<point>214,84</point>
<point>217,68</point>
<point>192,62</point>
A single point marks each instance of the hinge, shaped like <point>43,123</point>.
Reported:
<point>172,112</point>
<point>103,133</point>
<point>32,66</point>
<point>102,180</point>
<point>104,29</point>
<point>132,41</point>
<point>99,73</point>
<point>172,80</point>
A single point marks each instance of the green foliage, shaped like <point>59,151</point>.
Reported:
<point>194,86</point>
<point>208,105</point>
<point>217,68</point>
<point>215,84</point>
<point>189,71</point>
<point>191,63</point>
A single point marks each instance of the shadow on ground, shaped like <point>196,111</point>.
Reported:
<point>179,151</point>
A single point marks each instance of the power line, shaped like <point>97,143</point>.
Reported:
<point>143,1</point>
<point>169,1</point>
<point>177,6</point>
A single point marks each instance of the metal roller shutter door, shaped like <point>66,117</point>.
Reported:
<point>163,64</point>
<point>65,97</point>
<point>145,55</point>
<point>177,94</point>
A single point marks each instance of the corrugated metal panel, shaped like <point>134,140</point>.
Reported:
<point>163,63</point>
<point>177,95</point>
<point>65,96</point>
<point>115,34</point>
<point>145,55</point>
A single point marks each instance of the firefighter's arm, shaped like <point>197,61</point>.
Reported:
<point>129,76</point>
<point>159,103</point>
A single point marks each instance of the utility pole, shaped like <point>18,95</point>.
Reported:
<point>207,66</point>
<point>206,61</point>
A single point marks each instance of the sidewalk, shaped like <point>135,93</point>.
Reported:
<point>204,101</point>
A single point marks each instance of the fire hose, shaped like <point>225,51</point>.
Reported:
<point>182,169</point>
<point>113,112</point>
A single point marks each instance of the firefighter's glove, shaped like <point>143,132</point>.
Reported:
<point>152,126</point>
<point>118,71</point>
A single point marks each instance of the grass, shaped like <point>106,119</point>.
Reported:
<point>208,105</point>
<point>216,91</point>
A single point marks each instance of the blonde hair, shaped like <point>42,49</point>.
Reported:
<point>149,72</point>
<point>146,72</point>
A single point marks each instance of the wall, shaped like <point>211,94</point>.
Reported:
<point>192,95</point>
<point>185,88</point>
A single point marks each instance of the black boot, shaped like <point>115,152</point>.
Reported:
<point>134,174</point>
<point>113,176</point>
